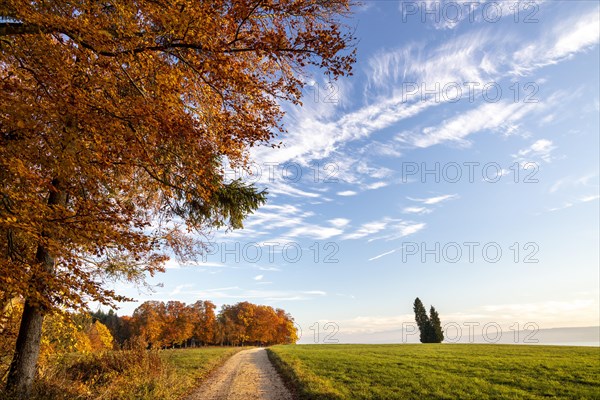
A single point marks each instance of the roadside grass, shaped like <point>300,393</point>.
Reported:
<point>192,365</point>
<point>434,371</point>
<point>137,374</point>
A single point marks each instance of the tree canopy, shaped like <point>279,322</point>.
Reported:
<point>116,120</point>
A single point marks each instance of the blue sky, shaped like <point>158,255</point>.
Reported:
<point>504,105</point>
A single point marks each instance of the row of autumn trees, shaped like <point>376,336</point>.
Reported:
<point>175,324</point>
<point>154,324</point>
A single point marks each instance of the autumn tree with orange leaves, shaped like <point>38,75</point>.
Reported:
<point>116,119</point>
<point>205,322</point>
<point>174,324</point>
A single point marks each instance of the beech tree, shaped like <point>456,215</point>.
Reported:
<point>205,322</point>
<point>286,331</point>
<point>116,119</point>
<point>148,322</point>
<point>247,323</point>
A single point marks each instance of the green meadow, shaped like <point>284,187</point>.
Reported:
<point>439,371</point>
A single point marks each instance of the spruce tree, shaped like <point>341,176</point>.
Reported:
<point>436,332</point>
<point>422,321</point>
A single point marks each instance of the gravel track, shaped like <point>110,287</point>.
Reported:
<point>247,375</point>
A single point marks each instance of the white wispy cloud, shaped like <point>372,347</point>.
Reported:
<point>579,200</point>
<point>377,185</point>
<point>363,174</point>
<point>480,55</point>
<point>235,293</point>
<point>416,210</point>
<point>210,264</point>
<point>339,222</point>
<point>321,130</point>
<point>592,197</point>
<point>351,296</point>
<point>573,312</point>
<point>382,255</point>
<point>378,172</point>
<point>272,217</point>
<point>314,231</point>
<point>402,229</point>
<point>277,216</point>
<point>286,222</point>
<point>449,14</point>
<point>263,268</point>
<point>569,36</point>
<point>541,148</point>
<point>318,129</point>
<point>502,116</point>
<point>180,288</point>
<point>316,292</point>
<point>283,188</point>
<point>562,207</point>
<point>456,60</point>
<point>367,229</point>
<point>575,181</point>
<point>385,229</point>
<point>311,138</point>
<point>436,199</point>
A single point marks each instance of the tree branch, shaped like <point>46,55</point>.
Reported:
<point>19,28</point>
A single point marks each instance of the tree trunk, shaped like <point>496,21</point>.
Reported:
<point>23,365</point>
<point>27,350</point>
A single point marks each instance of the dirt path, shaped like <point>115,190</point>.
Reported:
<point>247,375</point>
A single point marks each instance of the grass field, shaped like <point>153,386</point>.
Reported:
<point>433,371</point>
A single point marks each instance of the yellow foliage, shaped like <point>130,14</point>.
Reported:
<point>61,334</point>
<point>10,318</point>
<point>100,337</point>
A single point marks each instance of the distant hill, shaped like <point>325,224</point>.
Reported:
<point>568,336</point>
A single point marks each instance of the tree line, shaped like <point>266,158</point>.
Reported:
<point>157,324</point>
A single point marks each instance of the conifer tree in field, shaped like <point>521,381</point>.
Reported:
<point>422,320</point>
<point>437,334</point>
<point>430,327</point>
